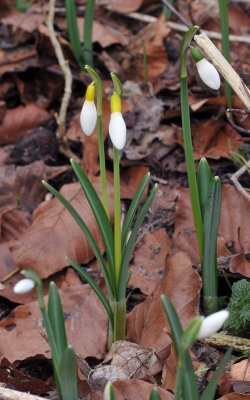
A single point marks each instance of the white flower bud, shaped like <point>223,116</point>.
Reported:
<point>88,117</point>
<point>24,286</point>
<point>212,324</point>
<point>108,393</point>
<point>117,130</point>
<point>208,74</point>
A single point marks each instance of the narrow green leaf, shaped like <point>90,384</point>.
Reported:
<point>129,247</point>
<point>88,28</point>
<point>86,232</point>
<point>204,179</point>
<point>74,32</point>
<point>155,394</point>
<point>55,313</point>
<point>100,216</point>
<point>132,209</point>
<point>189,389</point>
<point>51,338</point>
<point>209,264</point>
<point>190,334</point>
<point>117,84</point>
<point>95,287</point>
<point>209,392</point>
<point>67,375</point>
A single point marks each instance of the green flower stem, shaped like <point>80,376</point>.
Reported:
<point>117,221</point>
<point>74,32</point>
<point>225,44</point>
<point>178,379</point>
<point>119,311</point>
<point>98,83</point>
<point>188,139</point>
<point>88,27</point>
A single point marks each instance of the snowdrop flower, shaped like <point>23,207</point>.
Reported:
<point>88,115</point>
<point>117,127</point>
<point>24,286</point>
<point>212,324</point>
<point>207,72</point>
<point>108,393</point>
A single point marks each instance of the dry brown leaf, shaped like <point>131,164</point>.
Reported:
<point>235,396</point>
<point>153,35</point>
<point>147,321</point>
<point>105,35</point>
<point>125,7</point>
<point>234,230</point>
<point>23,183</point>
<point>27,21</point>
<point>148,261</point>
<point>54,234</point>
<point>86,325</point>
<point>239,372</point>
<point>124,361</point>
<point>133,389</point>
<point>13,223</point>
<point>19,120</point>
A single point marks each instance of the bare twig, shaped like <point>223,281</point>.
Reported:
<point>223,67</point>
<point>61,117</point>
<point>15,395</point>
<point>234,179</point>
<point>239,111</point>
<point>183,28</point>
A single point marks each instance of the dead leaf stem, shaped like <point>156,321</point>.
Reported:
<point>6,393</point>
<point>61,117</point>
<point>223,67</point>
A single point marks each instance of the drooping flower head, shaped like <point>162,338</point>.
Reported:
<point>117,127</point>
<point>24,286</point>
<point>88,115</point>
<point>207,72</point>
<point>212,323</point>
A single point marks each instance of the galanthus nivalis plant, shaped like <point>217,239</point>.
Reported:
<point>207,72</point>
<point>119,241</point>
<point>63,355</point>
<point>199,328</point>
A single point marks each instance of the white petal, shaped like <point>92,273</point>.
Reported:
<point>208,74</point>
<point>24,286</point>
<point>117,130</point>
<point>88,117</point>
<point>212,324</point>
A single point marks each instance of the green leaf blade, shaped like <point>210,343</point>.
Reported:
<point>67,375</point>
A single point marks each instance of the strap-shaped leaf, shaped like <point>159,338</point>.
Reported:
<point>55,313</point>
<point>86,232</point>
<point>100,216</point>
<point>209,392</point>
<point>67,375</point>
<point>154,395</point>
<point>132,209</point>
<point>204,179</point>
<point>189,388</point>
<point>209,259</point>
<point>129,247</point>
<point>95,287</point>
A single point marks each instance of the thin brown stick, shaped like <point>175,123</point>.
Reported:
<point>234,179</point>
<point>6,393</point>
<point>61,117</point>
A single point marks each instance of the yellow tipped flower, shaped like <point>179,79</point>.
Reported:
<point>117,127</point>
<point>88,115</point>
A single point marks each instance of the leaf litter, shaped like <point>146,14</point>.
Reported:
<point>37,233</point>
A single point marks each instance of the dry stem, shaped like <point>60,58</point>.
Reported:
<point>61,117</point>
<point>223,67</point>
<point>234,179</point>
<point>6,393</point>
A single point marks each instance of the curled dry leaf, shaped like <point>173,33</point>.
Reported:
<point>147,322</point>
<point>133,389</point>
<point>19,120</point>
<point>125,360</point>
<point>234,230</point>
<point>125,7</point>
<point>86,326</point>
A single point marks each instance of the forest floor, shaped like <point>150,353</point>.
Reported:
<point>38,233</point>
